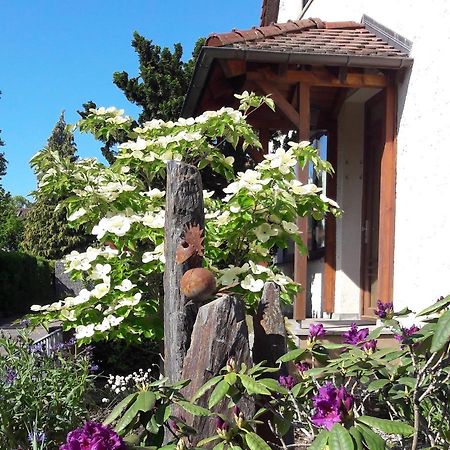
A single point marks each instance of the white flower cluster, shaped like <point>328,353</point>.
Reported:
<point>119,383</point>
<point>83,261</point>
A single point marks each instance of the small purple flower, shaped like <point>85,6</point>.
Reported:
<point>287,381</point>
<point>11,376</point>
<point>370,346</point>
<point>38,348</point>
<point>355,336</point>
<point>93,436</point>
<point>332,405</point>
<point>385,310</point>
<point>221,425</point>
<point>36,437</point>
<point>93,368</point>
<point>303,366</point>
<point>316,331</point>
<point>406,333</point>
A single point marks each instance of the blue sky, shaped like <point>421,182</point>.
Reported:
<point>55,55</point>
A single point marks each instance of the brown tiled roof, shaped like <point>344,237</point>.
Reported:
<point>311,36</point>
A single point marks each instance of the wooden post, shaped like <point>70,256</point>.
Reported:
<point>387,198</point>
<point>329,276</point>
<point>300,261</point>
<point>184,205</point>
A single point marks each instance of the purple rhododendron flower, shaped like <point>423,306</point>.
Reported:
<point>385,310</point>
<point>303,366</point>
<point>287,381</point>
<point>332,405</point>
<point>355,336</point>
<point>370,346</point>
<point>316,331</point>
<point>406,333</point>
<point>93,436</point>
<point>221,425</point>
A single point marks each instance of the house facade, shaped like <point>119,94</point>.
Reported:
<point>366,81</point>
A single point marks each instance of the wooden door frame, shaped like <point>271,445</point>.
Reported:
<point>386,229</point>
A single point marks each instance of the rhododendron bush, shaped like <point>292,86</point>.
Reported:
<point>123,206</point>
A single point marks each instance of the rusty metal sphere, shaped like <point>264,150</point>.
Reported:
<point>198,284</point>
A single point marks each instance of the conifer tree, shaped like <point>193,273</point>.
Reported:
<point>47,232</point>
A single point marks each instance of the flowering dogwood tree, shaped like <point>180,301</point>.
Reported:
<point>123,206</point>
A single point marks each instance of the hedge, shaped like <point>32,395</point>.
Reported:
<point>24,281</point>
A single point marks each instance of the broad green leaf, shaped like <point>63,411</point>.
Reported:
<point>195,410</point>
<point>283,424</point>
<point>387,426</point>
<point>340,438</point>
<point>209,384</point>
<point>375,334</point>
<point>145,401</point>
<point>231,378</point>
<point>320,442</point>
<point>117,411</point>
<point>372,440</point>
<point>290,356</point>
<point>218,393</point>
<point>260,412</point>
<point>357,438</point>
<point>252,386</point>
<point>407,381</point>
<point>435,307</point>
<point>255,442</point>
<point>377,384</point>
<point>273,385</point>
<point>208,440</point>
<point>219,446</point>
<point>442,334</point>
<point>128,417</point>
<point>334,346</point>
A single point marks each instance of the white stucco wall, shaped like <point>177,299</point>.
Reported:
<point>289,9</point>
<point>349,196</point>
<point>422,244</point>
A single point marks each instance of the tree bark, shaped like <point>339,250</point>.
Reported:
<point>184,206</point>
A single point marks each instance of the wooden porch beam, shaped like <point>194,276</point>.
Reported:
<point>233,67</point>
<point>301,260</point>
<point>281,103</point>
<point>387,198</point>
<point>323,79</point>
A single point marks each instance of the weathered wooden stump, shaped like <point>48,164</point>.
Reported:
<point>269,329</point>
<point>220,332</point>
<point>184,206</point>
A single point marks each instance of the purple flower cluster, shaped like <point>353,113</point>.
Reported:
<point>406,333</point>
<point>11,376</point>
<point>93,436</point>
<point>370,346</point>
<point>355,336</point>
<point>36,437</point>
<point>287,381</point>
<point>303,366</point>
<point>385,310</point>
<point>316,331</point>
<point>332,405</point>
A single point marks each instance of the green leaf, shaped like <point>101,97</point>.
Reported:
<point>130,415</point>
<point>340,438</point>
<point>441,304</point>
<point>208,440</point>
<point>146,401</point>
<point>255,442</point>
<point>387,426</point>
<point>252,386</point>
<point>231,378</point>
<point>372,440</point>
<point>218,393</point>
<point>195,410</point>
<point>442,334</point>
<point>283,424</point>
<point>407,381</point>
<point>209,384</point>
<point>357,438</point>
<point>117,411</point>
<point>377,384</point>
<point>273,385</point>
<point>375,334</point>
<point>290,356</point>
<point>219,446</point>
<point>320,442</point>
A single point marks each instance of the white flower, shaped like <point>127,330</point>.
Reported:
<point>235,208</point>
<point>223,218</point>
<point>250,284</point>
<point>207,194</point>
<point>101,289</point>
<point>250,180</point>
<point>300,144</point>
<point>154,193</point>
<point>324,198</point>
<point>290,227</point>
<point>154,220</point>
<point>148,257</point>
<point>126,285</point>
<point>303,189</point>
<point>100,271</point>
<point>258,268</point>
<point>119,225</point>
<point>36,308</point>
<point>264,232</point>
<point>82,331</point>
<point>230,274</point>
<point>77,214</point>
<point>282,160</point>
<point>130,301</point>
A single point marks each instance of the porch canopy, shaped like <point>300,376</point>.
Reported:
<point>309,65</point>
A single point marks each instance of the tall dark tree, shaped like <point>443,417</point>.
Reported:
<point>47,232</point>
